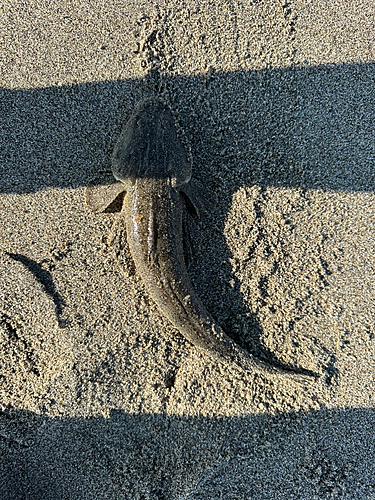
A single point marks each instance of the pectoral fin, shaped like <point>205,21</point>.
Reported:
<point>197,195</point>
<point>102,193</point>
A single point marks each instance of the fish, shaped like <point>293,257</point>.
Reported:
<point>154,173</point>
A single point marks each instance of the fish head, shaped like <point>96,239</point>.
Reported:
<point>149,147</point>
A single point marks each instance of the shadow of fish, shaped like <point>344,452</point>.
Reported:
<point>152,168</point>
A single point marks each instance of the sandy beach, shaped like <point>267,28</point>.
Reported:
<point>100,396</point>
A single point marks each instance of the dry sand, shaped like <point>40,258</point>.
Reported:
<point>101,397</point>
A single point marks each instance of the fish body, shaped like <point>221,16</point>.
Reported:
<point>152,167</point>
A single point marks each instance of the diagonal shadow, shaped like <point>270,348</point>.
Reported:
<point>322,454</point>
<point>45,279</point>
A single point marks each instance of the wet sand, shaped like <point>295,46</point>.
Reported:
<point>100,396</point>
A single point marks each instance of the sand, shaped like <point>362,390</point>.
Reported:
<point>100,397</point>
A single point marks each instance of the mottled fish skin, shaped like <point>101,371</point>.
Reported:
<point>151,164</point>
